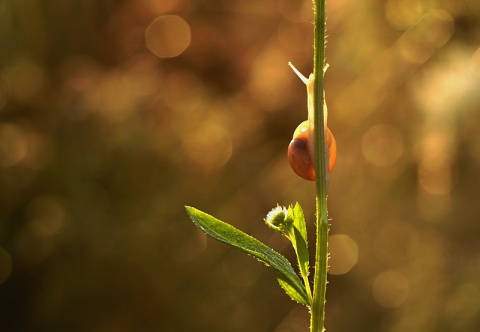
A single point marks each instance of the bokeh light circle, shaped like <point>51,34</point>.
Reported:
<point>382,145</point>
<point>344,254</point>
<point>168,36</point>
<point>390,289</point>
<point>13,145</point>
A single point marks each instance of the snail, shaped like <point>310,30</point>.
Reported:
<point>301,148</point>
<point>299,156</point>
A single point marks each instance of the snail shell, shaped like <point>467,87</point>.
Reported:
<point>299,155</point>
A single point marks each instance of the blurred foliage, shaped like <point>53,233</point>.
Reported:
<point>114,114</point>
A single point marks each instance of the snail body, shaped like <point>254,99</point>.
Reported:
<point>301,154</point>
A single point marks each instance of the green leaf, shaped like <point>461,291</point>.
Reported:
<point>228,234</point>
<point>299,240</point>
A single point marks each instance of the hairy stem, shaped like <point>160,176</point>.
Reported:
<point>321,253</point>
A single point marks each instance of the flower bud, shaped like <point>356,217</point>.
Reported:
<point>279,219</point>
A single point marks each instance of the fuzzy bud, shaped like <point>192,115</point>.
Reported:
<point>279,220</point>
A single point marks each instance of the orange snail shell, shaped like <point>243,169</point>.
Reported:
<point>298,152</point>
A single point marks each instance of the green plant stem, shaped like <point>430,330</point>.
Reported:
<point>307,288</point>
<point>321,253</point>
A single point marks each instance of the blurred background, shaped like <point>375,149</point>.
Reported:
<point>115,114</point>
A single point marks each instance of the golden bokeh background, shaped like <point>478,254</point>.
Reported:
<point>115,114</point>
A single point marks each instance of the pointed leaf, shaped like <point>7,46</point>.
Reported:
<point>299,240</point>
<point>228,234</point>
